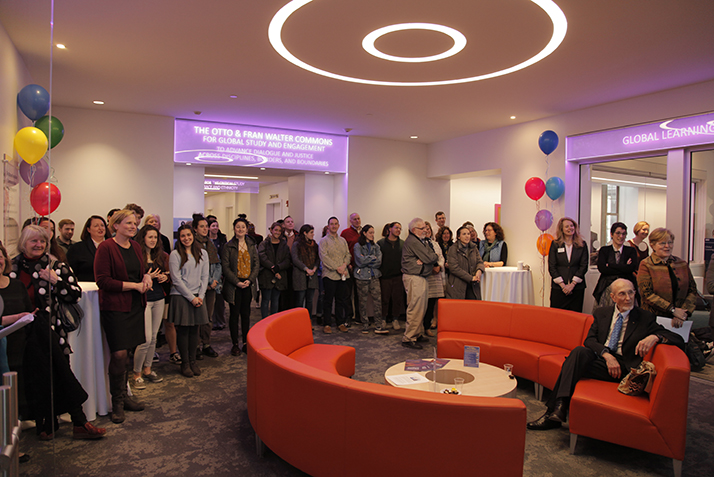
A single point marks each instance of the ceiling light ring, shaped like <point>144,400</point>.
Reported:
<point>556,15</point>
<point>371,38</point>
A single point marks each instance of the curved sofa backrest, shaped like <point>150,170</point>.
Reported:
<point>284,332</point>
<point>562,328</point>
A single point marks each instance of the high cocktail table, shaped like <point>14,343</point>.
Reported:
<point>486,380</point>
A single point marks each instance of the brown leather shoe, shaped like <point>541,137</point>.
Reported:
<point>343,328</point>
<point>186,370</point>
<point>430,333</point>
<point>327,330</point>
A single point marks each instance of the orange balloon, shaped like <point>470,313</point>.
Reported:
<point>543,243</point>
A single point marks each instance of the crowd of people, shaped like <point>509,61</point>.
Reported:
<point>663,283</point>
<point>145,283</point>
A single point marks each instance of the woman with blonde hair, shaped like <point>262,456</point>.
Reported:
<point>666,283</point>
<point>119,268</point>
<point>641,229</point>
<point>567,265</point>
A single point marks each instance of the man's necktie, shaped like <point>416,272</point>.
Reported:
<point>617,256</point>
<point>612,344</point>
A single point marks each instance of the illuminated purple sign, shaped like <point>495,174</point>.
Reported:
<point>228,185</point>
<point>670,134</point>
<point>226,144</point>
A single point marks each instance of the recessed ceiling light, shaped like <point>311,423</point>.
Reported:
<point>513,117</point>
<point>556,15</point>
<point>262,168</point>
<point>98,102</point>
<point>230,177</point>
<point>188,163</point>
<point>233,96</point>
<point>326,172</point>
<point>61,46</point>
<point>414,137</point>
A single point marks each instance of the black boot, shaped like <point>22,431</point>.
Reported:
<point>560,410</point>
<point>117,388</point>
<point>131,404</point>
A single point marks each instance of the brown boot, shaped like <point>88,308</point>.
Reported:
<point>131,403</point>
<point>117,388</point>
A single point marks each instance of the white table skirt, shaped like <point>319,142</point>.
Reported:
<point>508,285</point>
<point>90,358</point>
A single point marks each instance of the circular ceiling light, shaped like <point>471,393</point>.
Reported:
<point>457,36</point>
<point>560,26</point>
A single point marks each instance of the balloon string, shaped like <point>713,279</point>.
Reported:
<point>49,113</point>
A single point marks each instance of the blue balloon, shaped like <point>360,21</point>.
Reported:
<point>34,101</point>
<point>554,187</point>
<point>548,141</point>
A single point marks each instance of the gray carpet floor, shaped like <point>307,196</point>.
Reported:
<point>200,427</point>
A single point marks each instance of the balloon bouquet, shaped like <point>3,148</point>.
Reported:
<point>553,187</point>
<point>31,143</point>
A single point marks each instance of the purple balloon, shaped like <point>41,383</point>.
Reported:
<point>35,174</point>
<point>543,220</point>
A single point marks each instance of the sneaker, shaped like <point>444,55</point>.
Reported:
<point>343,328</point>
<point>138,383</point>
<point>365,329</point>
<point>175,358</point>
<point>152,377</point>
<point>156,358</point>
<point>327,330</point>
<point>88,431</point>
<point>395,324</point>
<point>381,331</point>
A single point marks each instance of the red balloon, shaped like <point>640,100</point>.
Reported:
<point>535,188</point>
<point>45,198</point>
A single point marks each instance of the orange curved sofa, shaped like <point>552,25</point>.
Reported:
<point>308,412</point>
<point>536,341</point>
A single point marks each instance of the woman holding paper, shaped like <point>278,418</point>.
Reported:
<point>666,283</point>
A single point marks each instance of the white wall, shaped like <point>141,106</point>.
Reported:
<point>388,181</point>
<point>13,77</point>
<point>108,159</point>
<point>473,199</point>
<point>280,189</point>
<point>514,150</point>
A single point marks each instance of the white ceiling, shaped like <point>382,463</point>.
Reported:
<point>174,57</point>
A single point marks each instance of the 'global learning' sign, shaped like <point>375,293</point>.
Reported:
<point>224,144</point>
<point>670,134</point>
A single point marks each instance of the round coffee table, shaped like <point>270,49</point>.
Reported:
<point>486,380</point>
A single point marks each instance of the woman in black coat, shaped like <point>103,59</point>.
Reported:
<point>615,261</point>
<point>274,255</point>
<point>567,265</point>
<point>80,255</point>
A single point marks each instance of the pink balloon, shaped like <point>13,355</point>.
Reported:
<point>535,188</point>
<point>543,220</point>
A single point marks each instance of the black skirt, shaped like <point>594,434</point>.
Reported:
<point>572,302</point>
<point>124,330</point>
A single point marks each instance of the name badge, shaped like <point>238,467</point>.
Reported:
<point>561,250</point>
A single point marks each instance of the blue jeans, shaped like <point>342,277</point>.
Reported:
<point>269,301</point>
<point>304,298</point>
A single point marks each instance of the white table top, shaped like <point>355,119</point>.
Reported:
<point>488,381</point>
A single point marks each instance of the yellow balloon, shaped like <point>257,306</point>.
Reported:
<point>31,144</point>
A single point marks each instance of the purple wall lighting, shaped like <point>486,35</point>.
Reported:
<point>670,134</point>
<point>209,143</point>
<point>229,185</point>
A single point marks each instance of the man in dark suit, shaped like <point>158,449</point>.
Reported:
<point>618,339</point>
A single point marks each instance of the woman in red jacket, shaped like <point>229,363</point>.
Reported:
<point>122,280</point>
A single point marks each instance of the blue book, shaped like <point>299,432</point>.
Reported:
<point>471,356</point>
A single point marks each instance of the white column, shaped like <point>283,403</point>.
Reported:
<point>678,183</point>
<point>188,191</point>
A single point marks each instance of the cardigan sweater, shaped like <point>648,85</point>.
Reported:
<point>110,273</point>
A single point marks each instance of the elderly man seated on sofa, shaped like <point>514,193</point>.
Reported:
<point>620,336</point>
